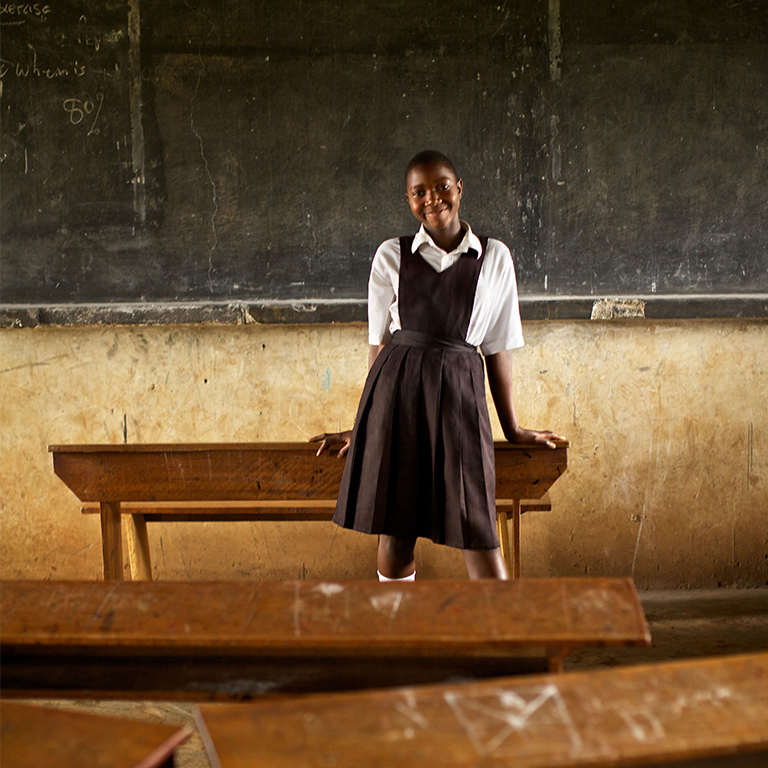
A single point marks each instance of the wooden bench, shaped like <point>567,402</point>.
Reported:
<point>140,513</point>
<point>255,481</point>
<point>200,639</point>
<point>43,736</point>
<point>631,716</point>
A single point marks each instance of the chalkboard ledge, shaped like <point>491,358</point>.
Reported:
<point>307,311</point>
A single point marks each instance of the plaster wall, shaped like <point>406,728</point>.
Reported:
<point>668,423</point>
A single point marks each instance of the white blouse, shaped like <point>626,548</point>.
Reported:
<point>494,324</point>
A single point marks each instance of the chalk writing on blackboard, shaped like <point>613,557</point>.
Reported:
<point>31,66</point>
<point>67,132</point>
<point>79,109</point>
<point>19,12</point>
<point>93,36</point>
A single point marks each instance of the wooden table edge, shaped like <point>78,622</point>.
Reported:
<point>276,446</point>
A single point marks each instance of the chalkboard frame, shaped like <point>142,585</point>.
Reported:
<point>353,311</point>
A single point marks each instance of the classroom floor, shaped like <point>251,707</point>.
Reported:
<point>683,625</point>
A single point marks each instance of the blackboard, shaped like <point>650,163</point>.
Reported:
<point>213,155</point>
<point>67,140</point>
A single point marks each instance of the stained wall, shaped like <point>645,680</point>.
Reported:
<point>667,466</point>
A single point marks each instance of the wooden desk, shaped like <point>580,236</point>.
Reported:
<point>280,475</point>
<point>628,716</point>
<point>200,639</point>
<point>32,737</point>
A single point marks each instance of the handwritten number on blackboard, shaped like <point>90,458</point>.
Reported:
<point>78,109</point>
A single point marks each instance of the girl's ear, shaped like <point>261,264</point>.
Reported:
<point>460,186</point>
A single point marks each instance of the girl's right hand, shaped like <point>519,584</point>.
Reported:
<point>329,439</point>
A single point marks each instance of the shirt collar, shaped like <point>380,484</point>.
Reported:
<point>470,242</point>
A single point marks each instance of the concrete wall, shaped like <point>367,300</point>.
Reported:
<point>667,423</point>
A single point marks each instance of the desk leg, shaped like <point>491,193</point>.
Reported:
<point>111,541</point>
<point>555,658</point>
<point>515,572</point>
<point>138,547</point>
<point>502,530</point>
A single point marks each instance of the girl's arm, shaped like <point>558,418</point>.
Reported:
<point>499,367</point>
<point>373,353</point>
<point>329,439</point>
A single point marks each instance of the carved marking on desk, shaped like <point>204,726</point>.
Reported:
<point>596,604</point>
<point>179,464</point>
<point>409,708</point>
<point>329,589</point>
<point>490,614</point>
<point>712,698</point>
<point>98,611</point>
<point>644,726</point>
<point>644,722</point>
<point>296,610</point>
<point>253,606</point>
<point>489,719</point>
<point>447,602</point>
<point>388,604</point>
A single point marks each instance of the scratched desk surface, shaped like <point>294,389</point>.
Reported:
<point>629,716</point>
<point>32,736</point>
<point>258,471</point>
<point>245,637</point>
<point>484,616</point>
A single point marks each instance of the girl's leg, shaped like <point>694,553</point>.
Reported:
<point>395,558</point>
<point>485,564</point>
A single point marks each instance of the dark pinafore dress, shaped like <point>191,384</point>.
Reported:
<point>421,461</point>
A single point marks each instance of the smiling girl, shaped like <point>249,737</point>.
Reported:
<point>420,460</point>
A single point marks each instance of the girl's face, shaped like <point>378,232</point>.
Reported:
<point>434,194</point>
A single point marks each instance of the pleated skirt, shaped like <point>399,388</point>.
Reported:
<point>421,461</point>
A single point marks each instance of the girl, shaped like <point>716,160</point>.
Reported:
<point>420,459</point>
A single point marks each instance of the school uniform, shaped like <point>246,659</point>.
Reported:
<point>421,460</point>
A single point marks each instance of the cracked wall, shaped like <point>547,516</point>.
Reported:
<point>667,423</point>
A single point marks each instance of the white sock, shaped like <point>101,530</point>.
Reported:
<point>412,577</point>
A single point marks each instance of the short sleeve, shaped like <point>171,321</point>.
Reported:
<point>381,293</point>
<point>505,330</point>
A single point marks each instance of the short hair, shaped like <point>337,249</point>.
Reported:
<point>430,157</point>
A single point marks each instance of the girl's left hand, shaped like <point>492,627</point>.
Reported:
<point>545,437</point>
<point>329,439</point>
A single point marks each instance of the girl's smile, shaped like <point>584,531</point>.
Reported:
<point>434,195</point>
